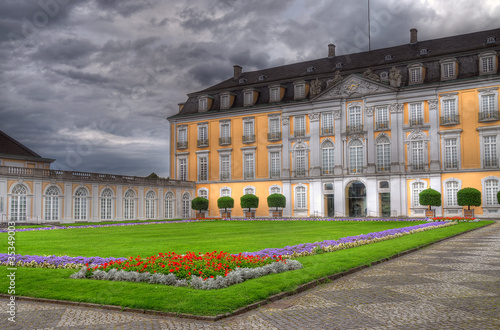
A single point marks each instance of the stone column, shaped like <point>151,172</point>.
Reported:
<point>316,198</point>
<point>119,203</point>
<point>94,214</point>
<point>68,203</point>
<point>372,209</point>
<point>140,204</point>
<point>37,200</point>
<point>339,197</point>
<point>314,144</point>
<point>397,138</point>
<point>287,192</point>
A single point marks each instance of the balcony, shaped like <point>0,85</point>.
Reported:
<point>355,170</point>
<point>491,115</point>
<point>450,164</point>
<point>299,133</point>
<point>202,143</point>
<point>383,168</point>
<point>203,177</point>
<point>357,128</point>
<point>274,136</point>
<point>415,122</point>
<point>223,141</point>
<point>418,167</point>
<point>490,163</point>
<point>225,176</point>
<point>327,131</point>
<point>275,174</point>
<point>301,172</point>
<point>182,145</point>
<point>248,175</point>
<point>327,171</point>
<point>382,125</point>
<point>248,138</point>
<point>450,120</point>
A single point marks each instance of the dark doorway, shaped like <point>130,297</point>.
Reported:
<point>356,199</point>
<point>330,209</point>
<point>385,204</point>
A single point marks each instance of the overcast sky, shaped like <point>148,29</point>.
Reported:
<point>90,83</point>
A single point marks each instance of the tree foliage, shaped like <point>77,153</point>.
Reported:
<point>276,200</point>
<point>430,197</point>
<point>249,201</point>
<point>200,204</point>
<point>225,203</point>
<point>469,197</point>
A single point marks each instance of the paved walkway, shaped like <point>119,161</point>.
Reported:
<point>454,284</point>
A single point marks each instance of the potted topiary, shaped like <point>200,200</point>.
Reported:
<point>279,202</point>
<point>200,204</point>
<point>249,201</point>
<point>469,197</point>
<point>430,197</point>
<point>223,204</point>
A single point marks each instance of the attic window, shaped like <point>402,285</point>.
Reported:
<point>311,69</point>
<point>384,75</point>
<point>491,40</point>
<point>262,77</point>
<point>339,65</point>
<point>203,103</point>
<point>242,80</point>
<point>388,57</point>
<point>423,51</point>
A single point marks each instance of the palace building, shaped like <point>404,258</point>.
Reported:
<point>31,192</point>
<point>357,135</point>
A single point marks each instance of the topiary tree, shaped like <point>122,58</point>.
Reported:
<point>276,200</point>
<point>225,203</point>
<point>199,204</point>
<point>249,201</point>
<point>429,197</point>
<point>498,197</point>
<point>469,197</point>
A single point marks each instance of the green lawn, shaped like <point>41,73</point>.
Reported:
<point>230,236</point>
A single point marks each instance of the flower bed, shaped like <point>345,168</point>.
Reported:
<point>53,261</point>
<point>452,219</point>
<point>326,219</point>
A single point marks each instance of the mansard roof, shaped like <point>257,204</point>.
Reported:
<point>11,148</point>
<point>464,48</point>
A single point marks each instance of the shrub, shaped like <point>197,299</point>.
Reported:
<point>276,200</point>
<point>200,204</point>
<point>498,197</point>
<point>225,203</point>
<point>469,196</point>
<point>430,197</point>
<point>249,201</point>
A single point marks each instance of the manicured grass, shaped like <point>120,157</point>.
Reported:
<point>56,284</point>
<point>147,240</point>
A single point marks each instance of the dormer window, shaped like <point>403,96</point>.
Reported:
<point>388,57</point>
<point>242,80</point>
<point>416,73</point>
<point>384,76</point>
<point>423,51</point>
<point>276,93</point>
<point>226,100</point>
<point>300,89</point>
<point>491,40</point>
<point>339,65</point>
<point>262,77</point>
<point>204,103</point>
<point>311,69</point>
<point>250,96</point>
<point>449,68</point>
<point>488,63</point>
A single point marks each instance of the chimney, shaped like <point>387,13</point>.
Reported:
<point>237,71</point>
<point>331,50</point>
<point>413,36</point>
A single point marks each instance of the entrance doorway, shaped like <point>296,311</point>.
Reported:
<point>329,205</point>
<point>385,204</point>
<point>356,199</point>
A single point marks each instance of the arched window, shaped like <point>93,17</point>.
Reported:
<point>300,197</point>
<point>383,154</point>
<point>106,204</point>
<point>356,156</point>
<point>186,205</point>
<point>203,192</point>
<point>18,203</point>
<point>249,190</point>
<point>327,151</point>
<point>417,188</point>
<point>225,192</point>
<point>81,204</point>
<point>275,190</point>
<point>491,189</point>
<point>169,205</point>
<point>150,205</point>
<point>129,204</point>
<point>52,203</point>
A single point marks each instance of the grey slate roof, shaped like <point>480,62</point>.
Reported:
<point>11,147</point>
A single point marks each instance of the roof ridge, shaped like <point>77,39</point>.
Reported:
<point>19,144</point>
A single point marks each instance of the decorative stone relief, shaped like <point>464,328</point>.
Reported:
<point>336,114</point>
<point>315,88</point>
<point>417,134</point>
<point>396,107</point>
<point>314,116</point>
<point>352,87</point>
<point>285,120</point>
<point>395,77</point>
<point>370,75</point>
<point>369,111</point>
<point>433,104</point>
<point>336,78</point>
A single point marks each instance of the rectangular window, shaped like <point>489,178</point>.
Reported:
<point>490,152</point>
<point>248,98</point>
<point>275,94</point>
<point>224,101</point>
<point>202,136</point>
<point>327,123</point>
<point>183,169</point>
<point>451,193</point>
<point>225,134</point>
<point>415,75</point>
<point>450,154</point>
<point>249,166</point>
<point>382,118</point>
<point>487,64</point>
<point>275,164</point>
<point>356,158</point>
<point>299,126</point>
<point>203,169</point>
<point>418,155</point>
<point>488,110</point>
<point>300,162</point>
<point>416,114</point>
<point>491,189</point>
<point>225,167</point>
<point>383,156</point>
<point>418,187</point>
<point>202,104</point>
<point>448,70</point>
<point>182,142</point>
<point>328,159</point>
<point>248,131</point>
<point>300,91</point>
<point>300,193</point>
<point>274,125</point>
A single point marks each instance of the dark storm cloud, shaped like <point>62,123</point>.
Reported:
<point>125,8</point>
<point>84,77</point>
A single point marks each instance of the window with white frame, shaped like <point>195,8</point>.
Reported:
<point>491,189</point>
<point>448,68</point>
<point>248,130</point>
<point>275,93</point>
<point>299,125</point>
<point>416,74</point>
<point>274,128</point>
<point>202,103</point>
<point>275,190</point>
<point>488,62</point>
<point>18,201</point>
<point>150,202</point>
<point>52,203</point>
<point>299,90</point>
<point>327,123</point>
<point>249,165</point>
<point>225,133</point>
<point>382,118</point>
<point>300,197</point>
<point>452,188</point>
<point>449,111</point>
<point>275,164</point>
<point>203,167</point>
<point>202,135</point>
<point>301,161</point>
<point>248,97</point>
<point>328,154</point>
<point>80,206</point>
<point>106,201</point>
<point>225,192</point>
<point>417,188</point>
<point>225,101</point>
<point>169,205</point>
<point>450,153</point>
<point>490,159</point>
<point>225,167</point>
<point>186,205</point>
<point>354,119</point>
<point>203,192</point>
<point>249,191</point>
<point>488,104</point>
<point>129,204</point>
<point>356,158</point>
<point>416,114</point>
<point>183,176</point>
<point>383,153</point>
<point>182,141</point>
<point>417,152</point>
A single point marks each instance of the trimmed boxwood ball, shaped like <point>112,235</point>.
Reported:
<point>469,197</point>
<point>200,204</point>
<point>225,203</point>
<point>249,201</point>
<point>430,197</point>
<point>276,200</point>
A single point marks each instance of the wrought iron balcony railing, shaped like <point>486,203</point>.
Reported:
<point>488,116</point>
<point>203,177</point>
<point>355,170</point>
<point>383,167</point>
<point>327,131</point>
<point>248,138</point>
<point>224,141</point>
<point>450,164</point>
<point>327,171</point>
<point>202,143</point>
<point>299,133</point>
<point>414,122</point>
<point>182,145</point>
<point>225,176</point>
<point>450,120</point>
<point>275,174</point>
<point>490,163</point>
<point>418,167</point>
<point>300,172</point>
<point>357,128</point>
<point>248,175</point>
<point>382,125</point>
<point>274,136</point>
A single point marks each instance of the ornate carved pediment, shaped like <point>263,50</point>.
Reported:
<point>314,116</point>
<point>285,120</point>
<point>353,86</point>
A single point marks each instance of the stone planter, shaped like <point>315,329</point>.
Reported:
<point>469,213</point>
<point>225,214</point>
<point>430,213</point>
<point>200,215</point>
